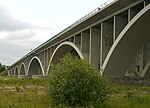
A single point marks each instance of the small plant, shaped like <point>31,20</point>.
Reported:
<point>129,95</point>
<point>18,89</point>
<point>73,82</point>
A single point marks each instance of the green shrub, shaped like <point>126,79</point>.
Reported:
<point>2,68</point>
<point>4,73</point>
<point>73,82</point>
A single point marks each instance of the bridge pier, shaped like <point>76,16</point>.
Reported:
<point>94,55</point>
<point>78,41</point>
<point>85,43</point>
<point>119,23</point>
<point>107,37</point>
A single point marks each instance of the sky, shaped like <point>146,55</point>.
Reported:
<point>26,24</point>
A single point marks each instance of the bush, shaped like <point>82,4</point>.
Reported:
<point>4,73</point>
<point>73,82</point>
<point>2,68</point>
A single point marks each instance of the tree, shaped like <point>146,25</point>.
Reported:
<point>2,67</point>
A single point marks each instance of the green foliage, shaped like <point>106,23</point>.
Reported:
<point>31,93</point>
<point>23,93</point>
<point>4,73</point>
<point>2,68</point>
<point>129,96</point>
<point>73,82</point>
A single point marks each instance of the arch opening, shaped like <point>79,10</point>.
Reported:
<point>22,69</point>
<point>35,67</point>
<point>61,50</point>
<point>12,72</point>
<point>16,71</point>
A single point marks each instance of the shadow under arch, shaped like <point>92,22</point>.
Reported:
<point>22,69</point>
<point>35,67</point>
<point>13,71</point>
<point>133,36</point>
<point>16,70</point>
<point>61,50</point>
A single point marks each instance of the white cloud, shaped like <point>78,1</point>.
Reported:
<point>19,36</point>
<point>9,23</point>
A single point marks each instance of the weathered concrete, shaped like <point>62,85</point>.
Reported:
<point>85,47</point>
<point>41,77</point>
<point>134,35</point>
<point>23,76</point>
<point>119,24</point>
<point>107,38</point>
<point>78,41</point>
<point>94,57</point>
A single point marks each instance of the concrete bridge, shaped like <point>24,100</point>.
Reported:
<point>114,38</point>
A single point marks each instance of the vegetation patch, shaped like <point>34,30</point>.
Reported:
<point>73,82</point>
<point>31,93</point>
<point>2,68</point>
<point>23,93</point>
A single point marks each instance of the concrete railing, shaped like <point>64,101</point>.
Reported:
<point>92,12</point>
<point>101,7</point>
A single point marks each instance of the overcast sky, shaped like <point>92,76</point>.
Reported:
<point>25,24</point>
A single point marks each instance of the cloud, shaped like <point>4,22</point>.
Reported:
<point>15,45</point>
<point>19,36</point>
<point>8,22</point>
<point>11,51</point>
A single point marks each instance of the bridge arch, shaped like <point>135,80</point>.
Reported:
<point>16,70</point>
<point>133,36</point>
<point>22,69</point>
<point>63,49</point>
<point>35,67</point>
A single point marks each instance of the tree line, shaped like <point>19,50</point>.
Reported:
<point>2,67</point>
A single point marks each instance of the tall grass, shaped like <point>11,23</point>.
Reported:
<point>126,96</point>
<point>23,93</point>
<point>30,93</point>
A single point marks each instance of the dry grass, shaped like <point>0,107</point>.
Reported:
<point>23,93</point>
<point>29,93</point>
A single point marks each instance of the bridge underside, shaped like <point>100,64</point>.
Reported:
<point>128,43</point>
<point>22,70</point>
<point>63,49</point>
<point>34,68</point>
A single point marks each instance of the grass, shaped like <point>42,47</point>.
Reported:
<point>30,93</point>
<point>23,93</point>
<point>126,96</point>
